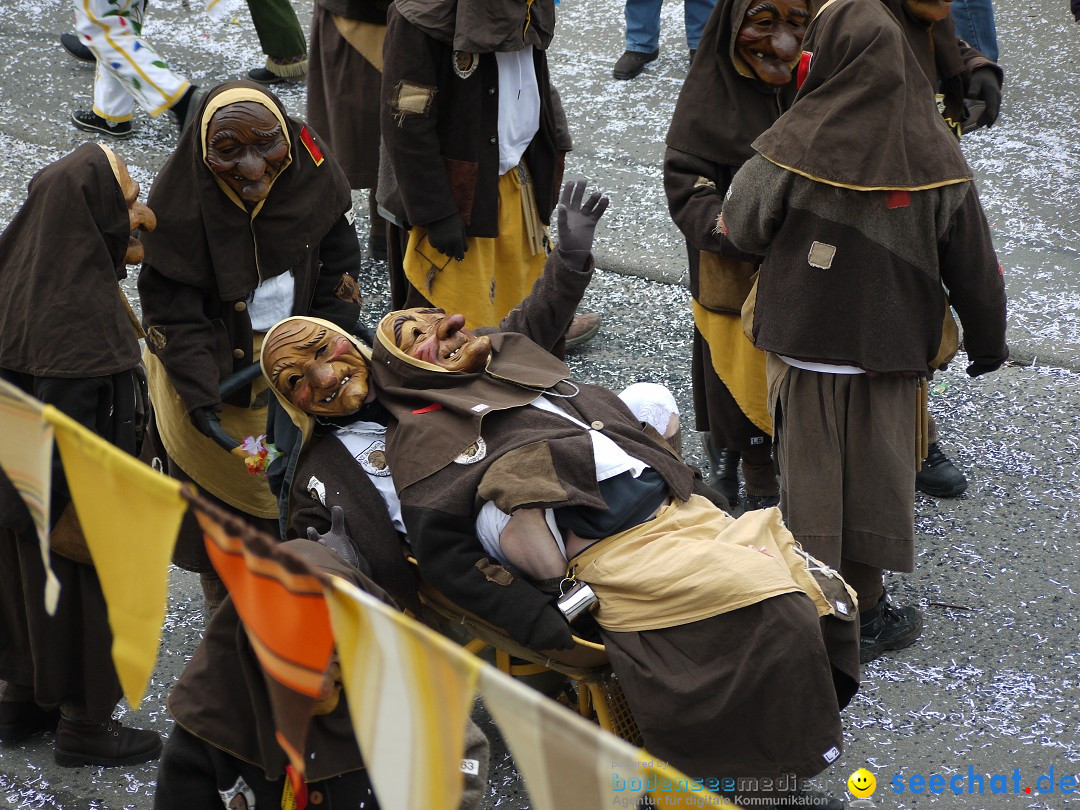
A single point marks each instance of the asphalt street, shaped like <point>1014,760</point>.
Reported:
<point>993,685</point>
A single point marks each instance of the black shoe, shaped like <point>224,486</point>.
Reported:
<point>376,247</point>
<point>74,46</point>
<point>752,502</point>
<point>106,744</point>
<point>23,719</point>
<point>264,76</point>
<point>90,121</point>
<point>631,63</point>
<point>884,628</point>
<point>939,476</point>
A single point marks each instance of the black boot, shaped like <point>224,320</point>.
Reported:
<point>884,628</point>
<point>723,470</point>
<point>109,743</point>
<point>939,476</point>
<point>24,719</point>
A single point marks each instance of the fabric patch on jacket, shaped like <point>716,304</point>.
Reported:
<point>465,63</point>
<point>412,99</point>
<point>349,290</point>
<point>704,181</point>
<point>156,337</point>
<point>522,476</point>
<point>821,255</point>
<point>493,572</point>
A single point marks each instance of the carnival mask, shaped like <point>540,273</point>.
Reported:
<point>245,148</point>
<point>319,370</point>
<point>140,217</point>
<point>440,339</point>
<point>770,38</point>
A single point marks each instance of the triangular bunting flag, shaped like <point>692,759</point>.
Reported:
<point>410,693</point>
<point>130,516</point>
<point>566,760</point>
<point>26,457</point>
<point>280,601</point>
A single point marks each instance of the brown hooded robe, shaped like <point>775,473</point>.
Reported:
<point>66,339</point>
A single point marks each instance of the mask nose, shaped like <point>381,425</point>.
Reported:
<point>786,46</point>
<point>251,167</point>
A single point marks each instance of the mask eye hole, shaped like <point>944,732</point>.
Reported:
<point>293,381</point>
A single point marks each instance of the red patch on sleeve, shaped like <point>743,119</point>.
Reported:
<point>308,140</point>
<point>898,199</point>
<point>434,406</point>
<point>804,68</point>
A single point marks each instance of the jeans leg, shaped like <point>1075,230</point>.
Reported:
<point>975,25</point>
<point>696,13</point>
<point>643,25</point>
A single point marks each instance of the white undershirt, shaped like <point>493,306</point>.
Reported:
<point>361,439</point>
<point>519,105</point>
<point>271,301</point>
<point>821,368</point>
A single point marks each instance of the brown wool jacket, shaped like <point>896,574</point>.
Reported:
<point>441,134</point>
<point>855,277</point>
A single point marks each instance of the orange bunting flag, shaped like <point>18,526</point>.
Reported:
<point>279,598</point>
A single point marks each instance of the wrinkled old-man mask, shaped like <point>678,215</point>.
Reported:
<point>318,369</point>
<point>140,217</point>
<point>435,337</point>
<point>770,38</point>
<point>245,147</point>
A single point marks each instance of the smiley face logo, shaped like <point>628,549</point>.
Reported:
<point>862,783</point>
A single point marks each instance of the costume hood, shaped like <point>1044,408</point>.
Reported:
<point>865,116</point>
<point>208,238</point>
<point>723,106</point>
<point>62,313</point>
<point>439,412</point>
<point>483,26</point>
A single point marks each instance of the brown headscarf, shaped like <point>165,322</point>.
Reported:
<point>723,106</point>
<point>209,239</point>
<point>440,411</point>
<point>62,313</point>
<point>864,117</point>
<point>483,26</point>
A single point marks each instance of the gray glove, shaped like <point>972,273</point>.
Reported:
<point>447,236</point>
<point>577,222</point>
<point>337,539</point>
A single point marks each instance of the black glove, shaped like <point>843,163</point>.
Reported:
<point>577,222</point>
<point>201,418</point>
<point>337,539</point>
<point>984,86</point>
<point>448,236</point>
<point>977,367</point>
<point>550,632</point>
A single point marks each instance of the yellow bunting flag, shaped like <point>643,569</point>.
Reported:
<point>566,760</point>
<point>279,598</point>
<point>130,516</point>
<point>26,458</point>
<point>410,693</point>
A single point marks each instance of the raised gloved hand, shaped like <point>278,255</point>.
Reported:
<point>447,236</point>
<point>984,86</point>
<point>201,418</point>
<point>577,222</point>
<point>337,539</point>
<point>550,632</point>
